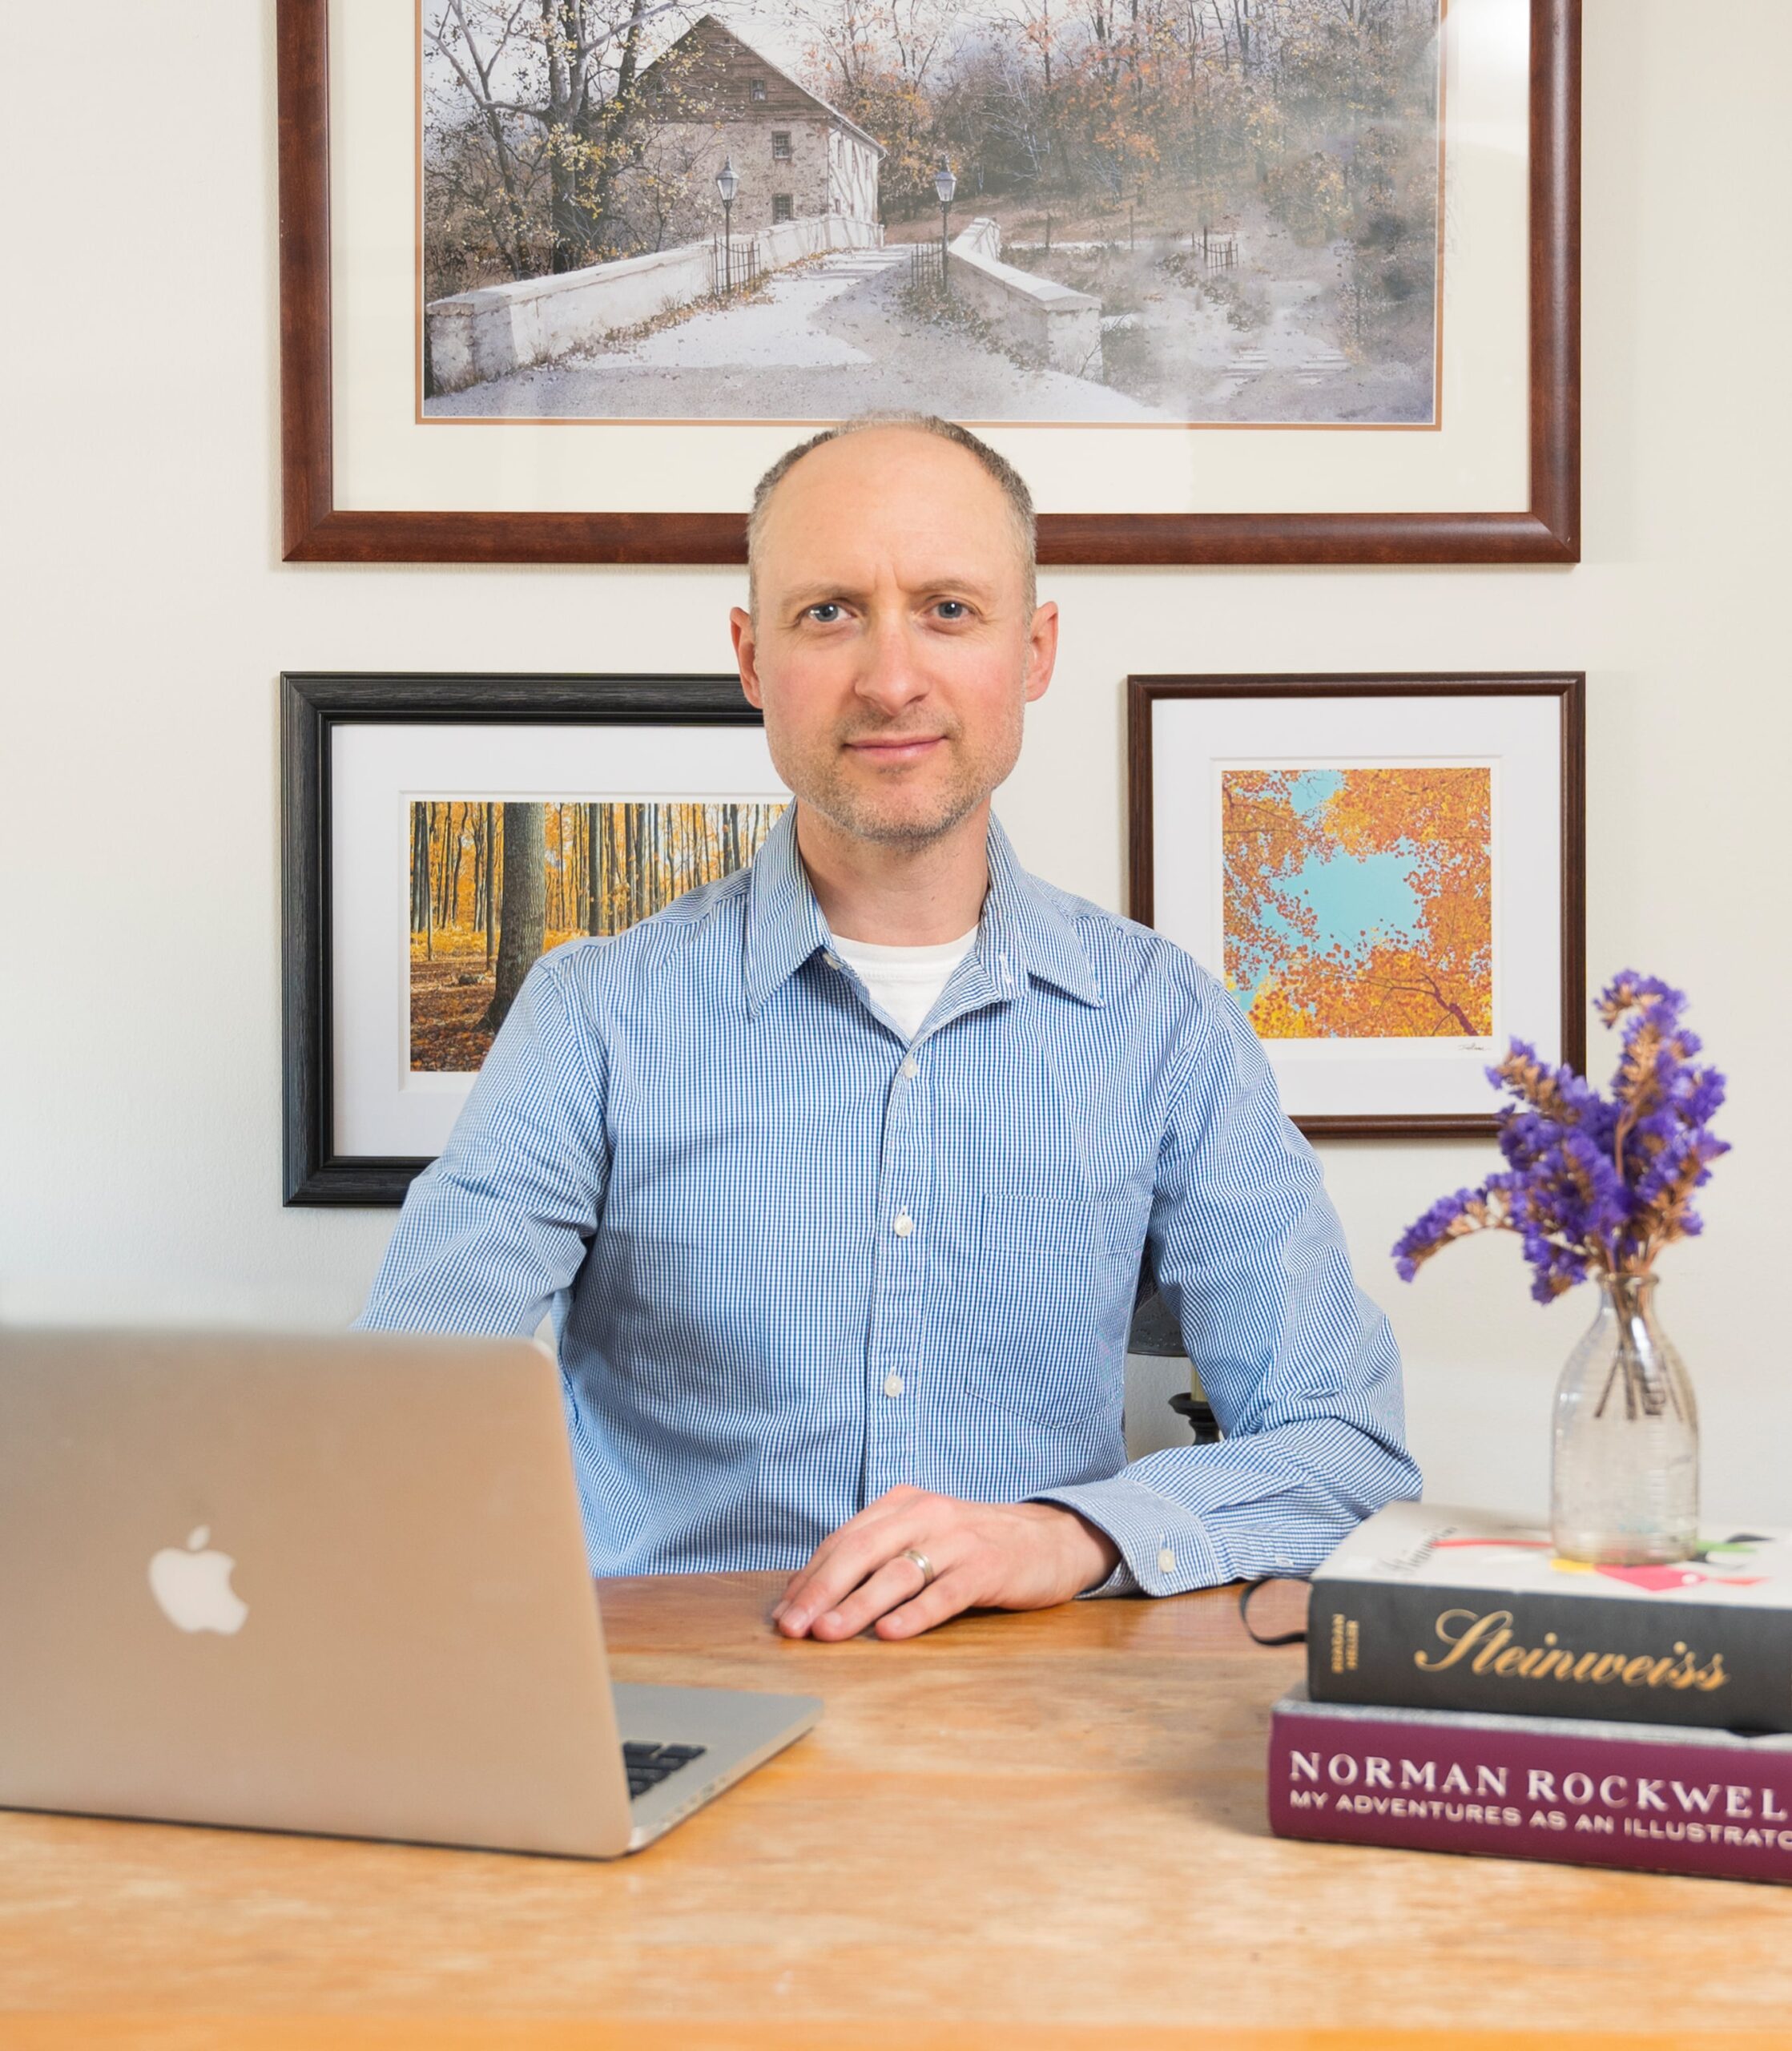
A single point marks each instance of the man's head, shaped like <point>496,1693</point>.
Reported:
<point>893,636</point>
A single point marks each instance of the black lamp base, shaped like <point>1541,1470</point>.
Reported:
<point>1200,1414</point>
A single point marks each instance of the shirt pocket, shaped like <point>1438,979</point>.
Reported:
<point>1046,1307</point>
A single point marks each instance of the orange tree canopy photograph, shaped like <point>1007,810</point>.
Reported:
<point>1359,902</point>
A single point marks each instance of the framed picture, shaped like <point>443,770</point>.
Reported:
<point>1229,282</point>
<point>439,834</point>
<point>1388,873</point>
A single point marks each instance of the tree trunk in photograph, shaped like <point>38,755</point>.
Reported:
<point>476,815</point>
<point>429,883</point>
<point>456,835</point>
<point>523,920</point>
<point>597,846</point>
<point>436,857</point>
<point>490,917</point>
<point>420,867</point>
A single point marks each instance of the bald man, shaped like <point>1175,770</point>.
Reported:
<point>837,1176</point>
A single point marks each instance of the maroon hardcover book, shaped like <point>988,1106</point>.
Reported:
<point>1663,1797</point>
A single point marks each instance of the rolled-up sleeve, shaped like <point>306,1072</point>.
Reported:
<point>1300,1367</point>
<point>493,1232</point>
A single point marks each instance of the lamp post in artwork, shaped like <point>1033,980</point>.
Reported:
<point>727,184</point>
<point>945,185</point>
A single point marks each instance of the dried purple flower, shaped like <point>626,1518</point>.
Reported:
<point>1593,1183</point>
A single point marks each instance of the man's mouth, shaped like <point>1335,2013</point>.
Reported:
<point>895,748</point>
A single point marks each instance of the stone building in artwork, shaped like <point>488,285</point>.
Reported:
<point>709,97</point>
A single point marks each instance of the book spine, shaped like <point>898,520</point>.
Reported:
<point>1522,1792</point>
<point>1665,1660</point>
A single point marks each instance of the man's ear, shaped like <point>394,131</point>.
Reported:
<point>747,655</point>
<point>1041,650</point>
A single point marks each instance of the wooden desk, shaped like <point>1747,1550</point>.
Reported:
<point>1042,1830</point>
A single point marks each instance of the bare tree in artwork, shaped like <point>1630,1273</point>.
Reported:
<point>522,922</point>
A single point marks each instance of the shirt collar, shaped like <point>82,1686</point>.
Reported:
<point>1023,930</point>
<point>784,925</point>
<point>1021,934</point>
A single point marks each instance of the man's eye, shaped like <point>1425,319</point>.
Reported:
<point>953,609</point>
<point>825,613</point>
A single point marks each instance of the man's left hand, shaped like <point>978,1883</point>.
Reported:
<point>989,1556</point>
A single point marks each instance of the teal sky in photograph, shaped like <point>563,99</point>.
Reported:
<point>1356,900</point>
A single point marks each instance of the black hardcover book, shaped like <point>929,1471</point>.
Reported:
<point>1428,1607</point>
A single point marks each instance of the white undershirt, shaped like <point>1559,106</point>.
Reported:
<point>905,982</point>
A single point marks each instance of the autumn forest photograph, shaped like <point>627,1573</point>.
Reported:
<point>494,884</point>
<point>1358,901</point>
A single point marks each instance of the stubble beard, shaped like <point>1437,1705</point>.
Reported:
<point>898,817</point>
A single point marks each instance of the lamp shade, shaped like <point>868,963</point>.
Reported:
<point>945,184</point>
<point>727,180</point>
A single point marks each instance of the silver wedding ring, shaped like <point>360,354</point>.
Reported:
<point>922,1562</point>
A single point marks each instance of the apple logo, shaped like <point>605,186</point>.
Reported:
<point>193,1587</point>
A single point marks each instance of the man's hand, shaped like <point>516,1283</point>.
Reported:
<point>991,1556</point>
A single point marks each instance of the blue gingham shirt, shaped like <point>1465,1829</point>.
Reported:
<point>795,1258</point>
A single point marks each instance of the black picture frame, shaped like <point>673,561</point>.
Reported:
<point>313,704</point>
<point>1567,687</point>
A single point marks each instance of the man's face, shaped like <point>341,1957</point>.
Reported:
<point>893,650</point>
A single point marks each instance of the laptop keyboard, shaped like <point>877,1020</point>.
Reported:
<point>648,1765</point>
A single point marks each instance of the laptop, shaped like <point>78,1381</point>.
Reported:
<point>326,1584</point>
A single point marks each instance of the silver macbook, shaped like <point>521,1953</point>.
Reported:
<point>326,1584</point>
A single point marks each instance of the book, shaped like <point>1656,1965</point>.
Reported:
<point>1429,1607</point>
<point>1598,1792</point>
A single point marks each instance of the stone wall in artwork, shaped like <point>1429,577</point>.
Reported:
<point>801,177</point>
<point>476,335</point>
<point>1062,326</point>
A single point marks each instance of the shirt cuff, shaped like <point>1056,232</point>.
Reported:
<point>1164,1550</point>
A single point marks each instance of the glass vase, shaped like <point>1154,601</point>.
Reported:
<point>1624,1477</point>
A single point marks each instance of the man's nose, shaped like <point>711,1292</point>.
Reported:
<point>891,675</point>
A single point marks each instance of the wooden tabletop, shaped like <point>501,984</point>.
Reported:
<point>1044,1830</point>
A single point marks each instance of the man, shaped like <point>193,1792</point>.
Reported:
<point>837,1175</point>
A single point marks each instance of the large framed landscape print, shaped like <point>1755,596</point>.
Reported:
<point>440,835</point>
<point>1229,280</point>
<point>1387,872</point>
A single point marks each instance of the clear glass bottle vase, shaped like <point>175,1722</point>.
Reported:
<point>1624,1477</point>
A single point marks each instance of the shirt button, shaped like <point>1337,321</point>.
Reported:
<point>833,960</point>
<point>903,1225</point>
<point>1166,1561</point>
<point>1281,1560</point>
<point>911,1068</point>
<point>892,1385</point>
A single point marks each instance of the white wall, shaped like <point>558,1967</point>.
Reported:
<point>149,614</point>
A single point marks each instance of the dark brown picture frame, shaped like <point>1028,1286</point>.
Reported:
<point>312,704</point>
<point>1547,530</point>
<point>1568,687</point>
